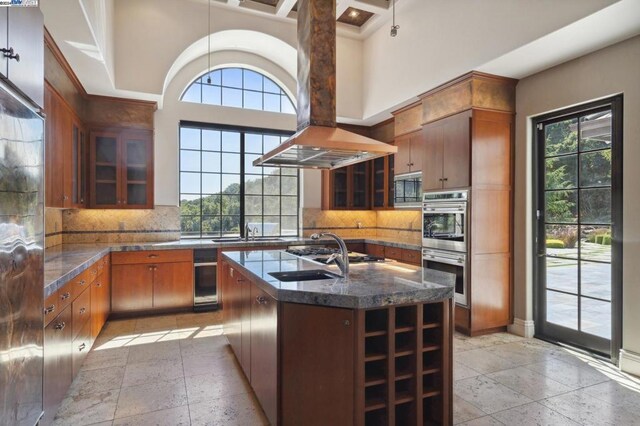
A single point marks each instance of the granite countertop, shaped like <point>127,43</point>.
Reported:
<point>64,262</point>
<point>369,284</point>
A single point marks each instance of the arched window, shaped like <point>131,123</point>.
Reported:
<point>239,88</point>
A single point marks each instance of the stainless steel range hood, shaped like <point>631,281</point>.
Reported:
<point>318,143</point>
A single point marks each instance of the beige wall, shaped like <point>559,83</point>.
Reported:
<point>615,69</point>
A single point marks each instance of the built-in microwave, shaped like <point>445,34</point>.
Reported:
<point>407,190</point>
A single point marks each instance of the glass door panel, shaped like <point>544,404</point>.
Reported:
<point>575,262</point>
<point>106,170</point>
<point>136,171</point>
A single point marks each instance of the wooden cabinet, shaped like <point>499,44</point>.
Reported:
<point>382,171</point>
<point>410,153</point>
<point>264,359</point>
<point>132,288</point>
<point>22,38</point>
<point>322,394</point>
<point>74,316</point>
<point>154,282</point>
<point>348,188</point>
<point>374,249</point>
<point>446,153</point>
<point>173,285</point>
<point>66,154</point>
<point>101,297</point>
<point>121,169</point>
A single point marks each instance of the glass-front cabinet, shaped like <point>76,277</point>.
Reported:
<point>121,169</point>
<point>350,187</point>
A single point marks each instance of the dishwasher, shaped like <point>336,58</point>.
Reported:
<point>205,265</point>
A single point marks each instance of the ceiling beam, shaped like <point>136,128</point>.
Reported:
<point>283,8</point>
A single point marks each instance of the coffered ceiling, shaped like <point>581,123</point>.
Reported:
<point>356,17</point>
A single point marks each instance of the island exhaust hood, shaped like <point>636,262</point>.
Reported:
<point>318,143</point>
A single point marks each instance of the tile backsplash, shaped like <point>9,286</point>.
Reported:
<point>402,224</point>
<point>105,226</point>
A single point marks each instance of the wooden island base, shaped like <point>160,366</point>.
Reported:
<point>319,365</point>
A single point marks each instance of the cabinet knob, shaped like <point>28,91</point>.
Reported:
<point>83,310</point>
<point>65,296</point>
<point>49,309</point>
<point>445,179</point>
<point>347,323</point>
<point>60,326</point>
<point>98,284</point>
<point>8,53</point>
<point>81,282</point>
<point>261,300</point>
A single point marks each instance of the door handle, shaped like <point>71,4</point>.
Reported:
<point>152,256</point>
<point>9,54</point>
<point>82,347</point>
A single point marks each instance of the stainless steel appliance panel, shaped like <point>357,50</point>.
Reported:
<point>205,295</point>
<point>445,221</point>
<point>21,261</point>
<point>453,263</point>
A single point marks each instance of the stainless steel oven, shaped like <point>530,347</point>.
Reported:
<point>453,263</point>
<point>445,220</point>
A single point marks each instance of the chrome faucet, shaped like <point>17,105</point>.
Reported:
<point>341,258</point>
<point>247,231</point>
<point>254,232</point>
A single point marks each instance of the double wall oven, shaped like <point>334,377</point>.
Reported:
<point>445,220</point>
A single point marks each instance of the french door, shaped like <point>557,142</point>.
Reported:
<point>578,287</point>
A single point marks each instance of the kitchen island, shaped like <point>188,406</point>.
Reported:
<point>371,349</point>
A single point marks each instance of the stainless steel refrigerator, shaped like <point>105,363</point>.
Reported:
<point>21,260</point>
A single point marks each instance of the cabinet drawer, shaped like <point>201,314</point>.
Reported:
<point>156,256</point>
<point>83,281</point>
<point>394,253</point>
<point>81,312</point>
<point>413,257</point>
<point>51,307</point>
<point>375,250</point>
<point>80,347</point>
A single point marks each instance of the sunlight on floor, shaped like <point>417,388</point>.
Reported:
<point>610,370</point>
<point>136,339</point>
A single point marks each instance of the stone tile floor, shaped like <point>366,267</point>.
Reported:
<point>179,370</point>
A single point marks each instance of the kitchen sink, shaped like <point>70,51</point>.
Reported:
<point>309,275</point>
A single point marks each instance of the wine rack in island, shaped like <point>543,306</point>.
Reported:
<point>404,365</point>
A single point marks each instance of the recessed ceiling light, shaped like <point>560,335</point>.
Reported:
<point>354,14</point>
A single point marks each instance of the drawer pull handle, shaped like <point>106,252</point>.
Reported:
<point>82,347</point>
<point>81,282</point>
<point>65,296</point>
<point>60,326</point>
<point>49,309</point>
<point>83,310</point>
<point>8,53</point>
<point>152,256</point>
<point>261,300</point>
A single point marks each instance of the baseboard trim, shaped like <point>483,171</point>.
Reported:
<point>524,328</point>
<point>630,362</point>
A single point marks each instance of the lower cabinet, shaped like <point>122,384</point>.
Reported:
<point>74,316</point>
<point>264,360</point>
<point>153,282</point>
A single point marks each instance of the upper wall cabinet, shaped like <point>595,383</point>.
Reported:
<point>348,188</point>
<point>409,157</point>
<point>22,50</point>
<point>447,147</point>
<point>121,169</point>
<point>66,154</point>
